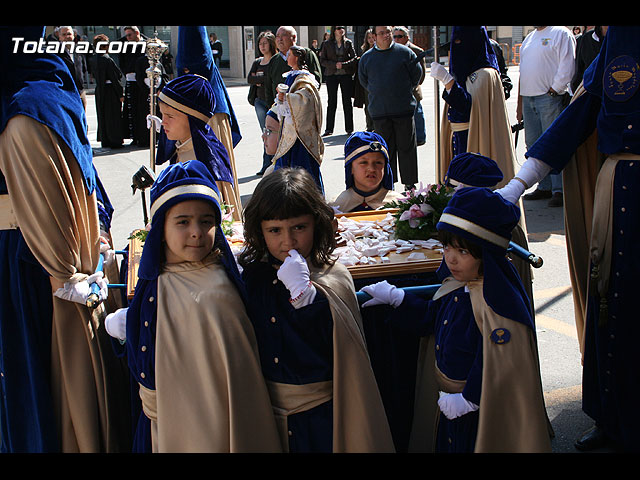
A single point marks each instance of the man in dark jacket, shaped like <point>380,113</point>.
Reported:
<point>390,72</point>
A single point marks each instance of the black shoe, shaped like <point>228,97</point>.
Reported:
<point>409,187</point>
<point>557,200</point>
<point>592,439</point>
<point>538,194</point>
<point>327,133</point>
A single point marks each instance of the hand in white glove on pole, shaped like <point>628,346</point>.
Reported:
<point>155,121</point>
<point>440,73</point>
<point>79,291</point>
<point>454,405</point>
<point>383,293</point>
<point>116,324</point>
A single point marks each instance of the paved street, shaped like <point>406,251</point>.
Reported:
<point>559,353</point>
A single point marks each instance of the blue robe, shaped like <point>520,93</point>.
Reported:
<point>472,51</point>
<point>458,355</point>
<point>302,342</point>
<point>41,87</point>
<point>610,379</point>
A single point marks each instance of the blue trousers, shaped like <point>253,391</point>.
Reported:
<point>538,113</point>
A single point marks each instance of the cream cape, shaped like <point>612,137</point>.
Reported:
<point>359,420</point>
<point>512,413</point>
<point>210,392</point>
<point>489,129</point>
<point>306,115</point>
<point>490,136</point>
<point>349,199</point>
<point>579,178</point>
<point>220,125</point>
<point>59,222</point>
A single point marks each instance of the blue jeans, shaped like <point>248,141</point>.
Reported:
<point>538,114</point>
<point>262,108</point>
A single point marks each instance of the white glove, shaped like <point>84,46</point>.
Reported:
<point>294,273</point>
<point>107,252</point>
<point>383,293</point>
<point>512,191</point>
<point>157,122</point>
<point>531,172</point>
<point>116,324</point>
<point>440,73</point>
<point>454,405</point>
<point>79,291</point>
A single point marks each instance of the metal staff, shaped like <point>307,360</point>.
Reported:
<point>142,180</point>
<point>154,50</point>
<point>436,106</point>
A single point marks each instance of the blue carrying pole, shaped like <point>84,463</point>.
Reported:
<point>93,300</point>
<point>532,258</point>
<point>428,290</point>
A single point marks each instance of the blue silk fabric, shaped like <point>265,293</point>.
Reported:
<point>473,169</point>
<point>193,92</point>
<point>40,86</point>
<point>142,313</point>
<point>296,347</point>
<point>612,108</point>
<point>194,54</point>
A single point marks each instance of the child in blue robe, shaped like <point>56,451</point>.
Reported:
<point>368,174</point>
<point>306,317</point>
<point>299,112</point>
<point>482,371</point>
<point>190,345</point>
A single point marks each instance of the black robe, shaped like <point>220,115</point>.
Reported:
<point>108,95</point>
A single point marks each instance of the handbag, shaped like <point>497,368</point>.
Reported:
<point>253,92</point>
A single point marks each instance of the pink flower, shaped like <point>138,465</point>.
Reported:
<point>228,215</point>
<point>415,213</point>
<point>423,190</point>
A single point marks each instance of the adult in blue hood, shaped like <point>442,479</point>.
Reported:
<point>62,388</point>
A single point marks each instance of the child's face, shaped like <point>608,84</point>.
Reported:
<point>463,266</point>
<point>294,233</point>
<point>292,60</point>
<point>368,170</point>
<point>175,123</point>
<point>189,231</point>
<point>270,137</point>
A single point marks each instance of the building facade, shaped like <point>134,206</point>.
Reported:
<point>240,47</point>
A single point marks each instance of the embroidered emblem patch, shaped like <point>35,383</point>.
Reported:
<point>375,146</point>
<point>500,336</point>
<point>620,79</point>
